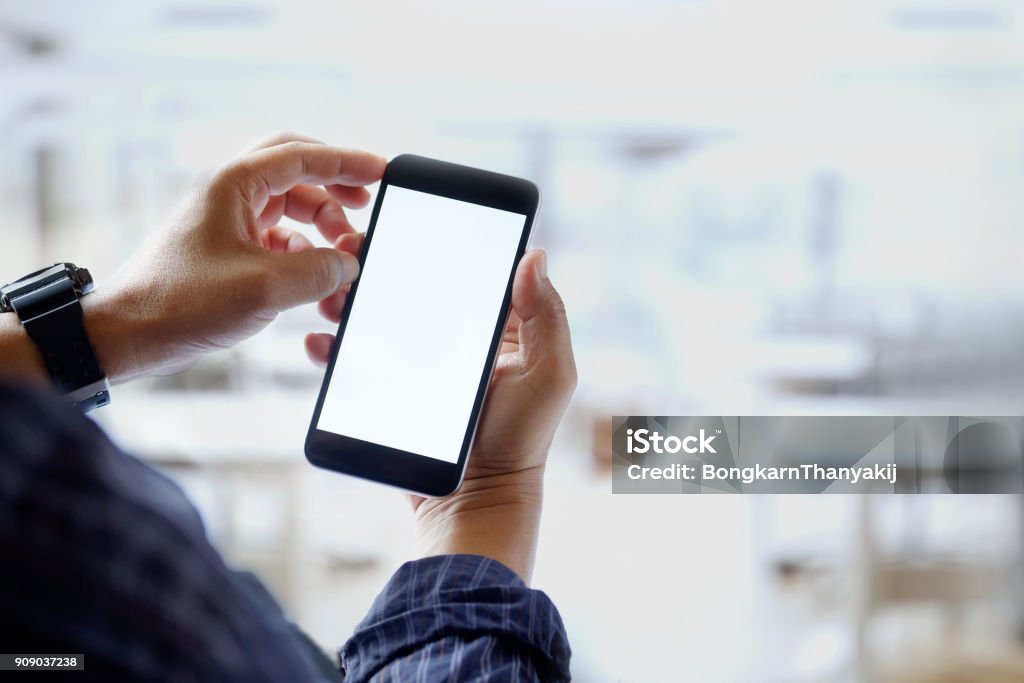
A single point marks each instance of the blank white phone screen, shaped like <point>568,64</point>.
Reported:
<point>416,343</point>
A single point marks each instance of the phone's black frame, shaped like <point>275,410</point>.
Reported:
<point>417,473</point>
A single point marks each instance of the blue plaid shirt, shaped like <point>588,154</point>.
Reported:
<point>102,555</point>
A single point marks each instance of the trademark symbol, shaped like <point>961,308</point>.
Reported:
<point>718,431</point>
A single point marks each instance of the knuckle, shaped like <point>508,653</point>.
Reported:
<point>324,277</point>
<point>260,286</point>
<point>283,136</point>
<point>229,176</point>
<point>572,377</point>
<point>556,306</point>
<point>287,136</point>
<point>567,377</point>
<point>296,149</point>
<point>205,178</point>
<point>205,186</point>
<point>294,146</point>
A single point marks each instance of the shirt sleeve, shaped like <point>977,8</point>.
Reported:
<point>456,618</point>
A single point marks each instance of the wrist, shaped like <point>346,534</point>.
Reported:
<point>21,357</point>
<point>496,516</point>
<point>107,324</point>
<point>116,332</point>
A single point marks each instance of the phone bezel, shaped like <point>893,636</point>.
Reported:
<point>416,473</point>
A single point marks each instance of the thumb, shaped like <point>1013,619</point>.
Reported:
<point>309,275</point>
<point>544,338</point>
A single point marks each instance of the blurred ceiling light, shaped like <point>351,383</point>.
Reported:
<point>656,146</point>
<point>951,18</point>
<point>216,15</point>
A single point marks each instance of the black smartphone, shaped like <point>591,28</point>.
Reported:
<point>423,325</point>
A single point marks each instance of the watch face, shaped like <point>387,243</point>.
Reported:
<point>80,277</point>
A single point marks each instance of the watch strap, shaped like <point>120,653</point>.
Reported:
<point>52,316</point>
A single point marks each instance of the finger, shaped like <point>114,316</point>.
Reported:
<point>351,243</point>
<point>284,240</point>
<point>508,364</point>
<point>303,202</point>
<point>272,212</point>
<point>318,348</point>
<point>308,275</point>
<point>544,338</point>
<point>511,333</point>
<point>275,170</point>
<point>280,139</point>
<point>311,205</point>
<point>352,197</point>
<point>332,306</point>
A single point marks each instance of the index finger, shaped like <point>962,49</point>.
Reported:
<point>281,138</point>
<point>275,170</point>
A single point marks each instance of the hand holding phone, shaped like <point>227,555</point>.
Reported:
<point>423,327</point>
<point>497,510</point>
<point>496,513</point>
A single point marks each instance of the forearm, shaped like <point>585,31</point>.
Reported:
<point>496,517</point>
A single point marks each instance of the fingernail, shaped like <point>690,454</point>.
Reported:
<point>542,266</point>
<point>351,265</point>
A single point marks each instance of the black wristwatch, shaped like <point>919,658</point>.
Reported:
<point>47,303</point>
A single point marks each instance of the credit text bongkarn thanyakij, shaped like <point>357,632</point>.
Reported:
<point>641,441</point>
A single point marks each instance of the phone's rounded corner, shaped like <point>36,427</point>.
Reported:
<point>319,463</point>
<point>308,450</point>
<point>443,489</point>
<point>452,487</point>
<point>532,193</point>
<point>398,161</point>
<point>449,490</point>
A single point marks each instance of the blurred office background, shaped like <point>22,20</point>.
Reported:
<point>789,207</point>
